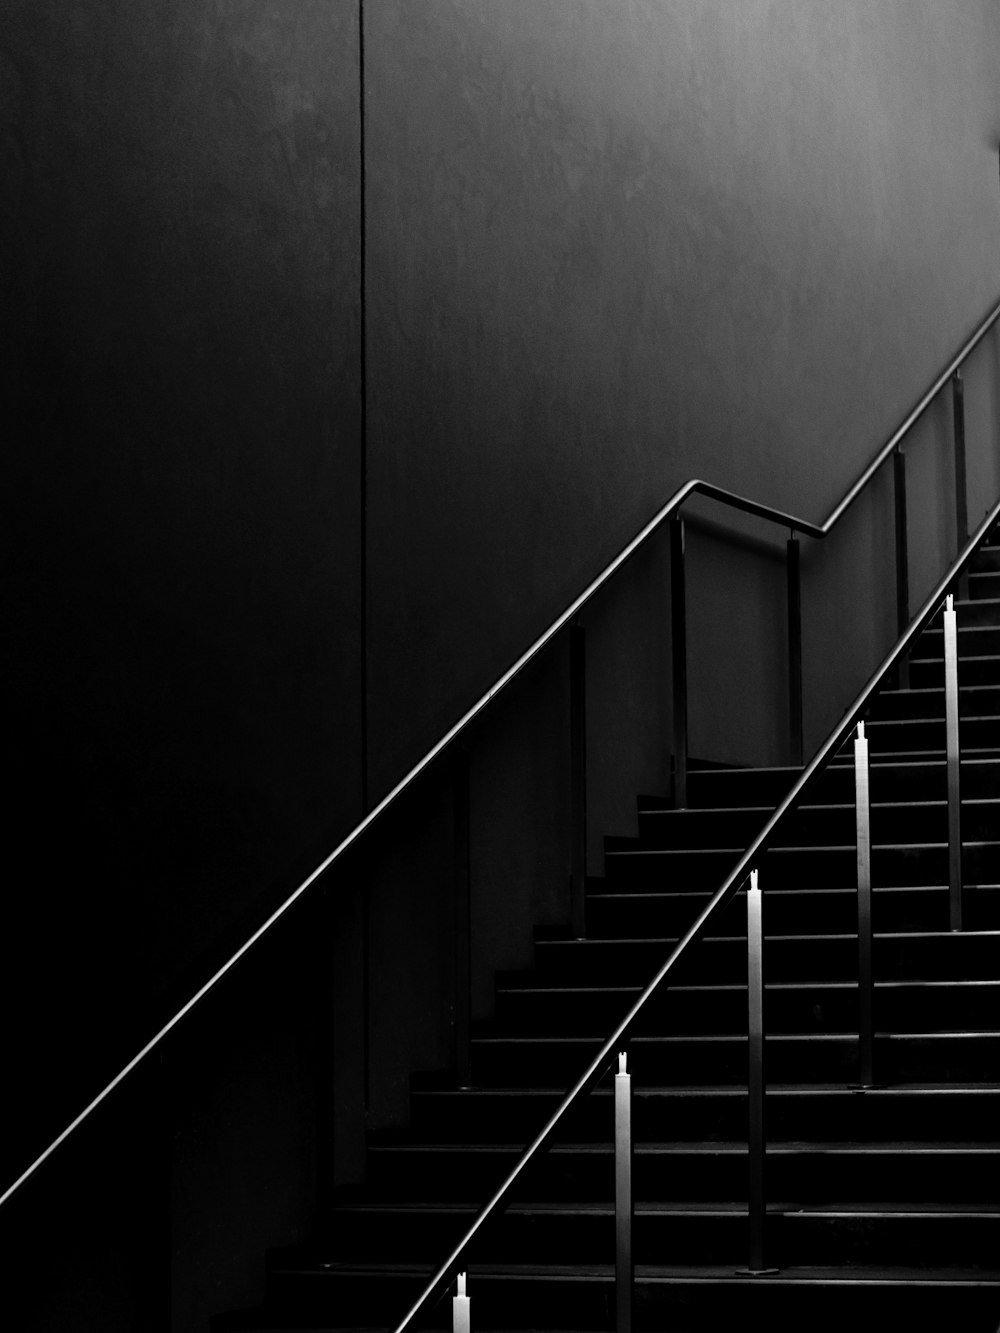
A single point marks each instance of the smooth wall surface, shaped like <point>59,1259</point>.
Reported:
<point>615,246</point>
<point>179,248</point>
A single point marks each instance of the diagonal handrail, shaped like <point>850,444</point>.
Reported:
<point>693,487</point>
<point>720,899</point>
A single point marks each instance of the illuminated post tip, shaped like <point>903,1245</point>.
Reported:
<point>753,880</point>
<point>621,1062</point>
<point>461,1319</point>
<point>861,731</point>
<point>949,602</point>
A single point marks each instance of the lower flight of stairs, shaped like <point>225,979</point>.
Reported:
<point>882,1204</point>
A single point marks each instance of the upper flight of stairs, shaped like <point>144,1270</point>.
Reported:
<point>882,1204</point>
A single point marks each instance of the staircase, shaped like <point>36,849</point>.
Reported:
<point>882,1204</point>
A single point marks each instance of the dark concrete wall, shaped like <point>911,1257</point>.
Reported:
<point>179,247</point>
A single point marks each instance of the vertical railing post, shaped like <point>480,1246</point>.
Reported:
<point>624,1269</point>
<point>794,648</point>
<point>461,1314</point>
<point>578,776</point>
<point>463,919</point>
<point>902,560</point>
<point>954,760</point>
<point>961,485</point>
<point>755,1074</point>
<point>862,807</point>
<point>678,637</point>
<point>961,482</point>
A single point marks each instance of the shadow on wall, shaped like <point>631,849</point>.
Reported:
<point>179,256</point>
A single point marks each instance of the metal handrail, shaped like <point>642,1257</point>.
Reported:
<point>693,487</point>
<point>720,899</point>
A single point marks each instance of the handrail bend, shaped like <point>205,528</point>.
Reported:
<point>720,899</point>
<point>692,487</point>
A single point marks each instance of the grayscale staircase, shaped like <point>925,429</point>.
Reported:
<point>883,1204</point>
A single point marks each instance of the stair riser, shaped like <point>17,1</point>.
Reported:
<point>733,787</point>
<point>684,871</point>
<point>984,585</point>
<point>978,733</point>
<point>930,672</point>
<point>899,1059</point>
<point>974,641</point>
<point>980,701</point>
<point>839,1115</point>
<point>588,1238</point>
<point>948,1007</point>
<point>587,1303</point>
<point>902,823</point>
<point>634,916</point>
<point>565,1176</point>
<point>933,957</point>
<point>890,782</point>
<point>971,612</point>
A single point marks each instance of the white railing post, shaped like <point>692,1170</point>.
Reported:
<point>624,1269</point>
<point>954,756</point>
<point>755,1073</point>
<point>862,809</point>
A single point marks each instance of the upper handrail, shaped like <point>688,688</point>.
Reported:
<point>692,487</point>
<point>720,899</point>
<point>911,419</point>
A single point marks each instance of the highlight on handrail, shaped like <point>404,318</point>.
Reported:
<point>695,486</point>
<point>720,899</point>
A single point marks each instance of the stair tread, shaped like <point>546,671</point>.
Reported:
<point>909,721</point>
<point>923,690</point>
<point>708,1272</point>
<point>813,806</point>
<point>690,1208</point>
<point>714,1148</point>
<point>787,938</point>
<point>782,849</point>
<point>692,895</point>
<point>699,987</point>
<point>731,1090</point>
<point>687,1037</point>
